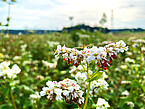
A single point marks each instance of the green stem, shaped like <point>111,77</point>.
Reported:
<point>88,75</point>
<point>83,67</point>
<point>86,101</point>
<point>13,99</point>
<point>140,59</point>
<point>89,83</point>
<point>95,72</point>
<point>79,107</point>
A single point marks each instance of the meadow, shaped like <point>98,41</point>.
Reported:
<point>34,54</point>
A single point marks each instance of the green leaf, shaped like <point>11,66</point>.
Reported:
<point>135,84</point>
<point>94,76</point>
<point>123,101</point>
<point>6,106</point>
<point>143,88</point>
<point>6,91</point>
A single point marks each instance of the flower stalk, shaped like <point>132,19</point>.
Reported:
<point>13,99</point>
<point>89,83</point>
<point>86,101</point>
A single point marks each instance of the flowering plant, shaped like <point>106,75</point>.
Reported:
<point>89,81</point>
<point>9,74</point>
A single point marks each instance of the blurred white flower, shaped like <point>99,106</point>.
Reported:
<point>6,72</point>
<point>123,66</point>
<point>23,47</point>
<point>17,58</point>
<point>129,60</point>
<point>125,82</point>
<point>131,104</point>
<point>49,65</point>
<point>102,104</point>
<point>129,53</point>
<point>126,93</point>
<point>52,43</point>
<point>15,69</point>
<point>35,96</point>
<point>142,48</point>
<point>117,69</point>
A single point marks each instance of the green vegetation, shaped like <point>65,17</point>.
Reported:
<point>29,52</point>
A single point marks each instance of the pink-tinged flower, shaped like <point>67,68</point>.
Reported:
<point>103,55</point>
<point>67,89</point>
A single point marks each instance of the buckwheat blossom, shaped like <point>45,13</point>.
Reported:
<point>103,55</point>
<point>123,66</point>
<point>129,60</point>
<point>126,93</point>
<point>75,69</point>
<point>23,47</point>
<point>138,42</point>
<point>6,72</point>
<point>131,104</point>
<point>143,49</point>
<point>102,104</point>
<point>96,85</point>
<point>17,58</point>
<point>125,82</point>
<point>52,43</point>
<point>117,69</point>
<point>35,97</point>
<point>104,42</point>
<point>129,53</point>
<point>81,77</point>
<point>67,90</point>
<point>49,65</point>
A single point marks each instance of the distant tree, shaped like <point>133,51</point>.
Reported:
<point>71,20</point>
<point>103,19</point>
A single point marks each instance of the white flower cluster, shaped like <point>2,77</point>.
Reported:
<point>49,65</point>
<point>35,97</point>
<point>131,104</point>
<point>125,82</point>
<point>81,77</point>
<point>126,93</point>
<point>138,42</point>
<point>67,89</point>
<point>6,72</point>
<point>103,55</point>
<point>102,104</point>
<point>96,85</point>
<point>52,43</point>
<point>129,60</point>
<point>104,42</point>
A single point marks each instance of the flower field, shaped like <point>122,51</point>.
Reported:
<point>76,70</point>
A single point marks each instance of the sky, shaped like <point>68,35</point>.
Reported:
<point>54,14</point>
